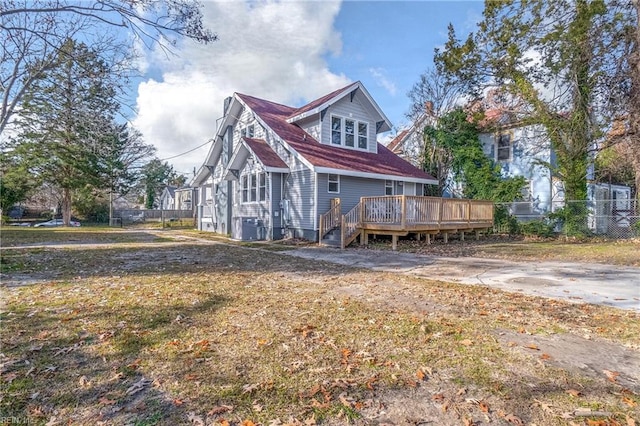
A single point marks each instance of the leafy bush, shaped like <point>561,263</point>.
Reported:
<point>537,228</point>
<point>503,221</point>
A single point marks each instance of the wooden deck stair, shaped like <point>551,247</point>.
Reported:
<point>403,214</point>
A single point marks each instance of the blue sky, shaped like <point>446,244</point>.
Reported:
<point>290,52</point>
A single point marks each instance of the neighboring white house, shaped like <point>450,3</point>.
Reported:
<point>168,198</point>
<point>524,150</point>
<point>273,169</point>
<point>173,198</point>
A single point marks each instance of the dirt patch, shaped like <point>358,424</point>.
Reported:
<point>591,357</point>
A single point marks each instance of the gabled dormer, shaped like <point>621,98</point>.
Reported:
<point>346,118</point>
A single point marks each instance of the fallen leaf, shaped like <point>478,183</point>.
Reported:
<point>484,407</point>
<point>513,419</point>
<point>573,392</point>
<point>437,397</point>
<point>545,357</point>
<point>106,401</point>
<point>178,402</point>
<point>467,422</point>
<point>630,402</point>
<point>611,375</point>
<point>219,410</point>
<point>248,423</point>
<point>420,374</point>
<point>466,342</point>
<point>532,346</point>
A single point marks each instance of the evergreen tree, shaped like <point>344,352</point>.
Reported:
<point>64,119</point>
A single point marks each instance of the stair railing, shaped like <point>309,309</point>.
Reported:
<point>329,220</point>
<point>351,225</point>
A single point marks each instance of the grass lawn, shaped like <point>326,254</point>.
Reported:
<point>131,329</point>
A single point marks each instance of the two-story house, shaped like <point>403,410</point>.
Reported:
<point>273,169</point>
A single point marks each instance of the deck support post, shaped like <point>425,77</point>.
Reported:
<point>446,237</point>
<point>365,237</point>
<point>477,234</point>
<point>394,242</point>
<point>461,235</point>
<point>428,236</point>
<point>418,235</point>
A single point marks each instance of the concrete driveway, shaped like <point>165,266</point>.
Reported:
<point>611,285</point>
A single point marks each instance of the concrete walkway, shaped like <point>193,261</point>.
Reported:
<point>611,285</point>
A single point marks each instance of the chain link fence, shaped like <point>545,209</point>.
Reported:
<point>611,218</point>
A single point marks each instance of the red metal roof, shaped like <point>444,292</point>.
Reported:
<point>265,153</point>
<point>320,101</point>
<point>397,140</point>
<point>321,155</point>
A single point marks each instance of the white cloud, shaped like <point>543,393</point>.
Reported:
<point>273,50</point>
<point>380,76</point>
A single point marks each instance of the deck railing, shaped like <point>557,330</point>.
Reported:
<point>410,211</point>
<point>330,220</point>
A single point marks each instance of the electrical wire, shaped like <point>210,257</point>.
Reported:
<point>186,152</point>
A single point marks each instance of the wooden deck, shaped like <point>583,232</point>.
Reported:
<point>403,214</point>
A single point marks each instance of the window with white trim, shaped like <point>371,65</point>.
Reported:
<point>363,135</point>
<point>349,133</point>
<point>251,131</point>
<point>336,130</point>
<point>245,189</point>
<point>503,147</point>
<point>399,188</point>
<point>388,187</point>
<point>333,183</point>
<point>254,187</point>
<point>262,187</point>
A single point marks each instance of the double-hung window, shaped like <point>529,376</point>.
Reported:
<point>503,149</point>
<point>262,187</point>
<point>333,183</point>
<point>336,130</point>
<point>349,133</point>
<point>388,187</point>
<point>254,187</point>
<point>363,140</point>
<point>245,189</point>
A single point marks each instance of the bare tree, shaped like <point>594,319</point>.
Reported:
<point>33,31</point>
<point>431,97</point>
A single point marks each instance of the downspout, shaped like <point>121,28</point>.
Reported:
<point>315,204</point>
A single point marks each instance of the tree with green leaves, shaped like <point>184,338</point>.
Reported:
<point>557,59</point>
<point>470,169</point>
<point>156,175</point>
<point>16,183</point>
<point>66,116</point>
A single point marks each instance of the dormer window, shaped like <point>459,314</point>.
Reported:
<point>349,133</point>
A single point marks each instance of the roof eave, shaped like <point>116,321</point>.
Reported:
<point>369,175</point>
